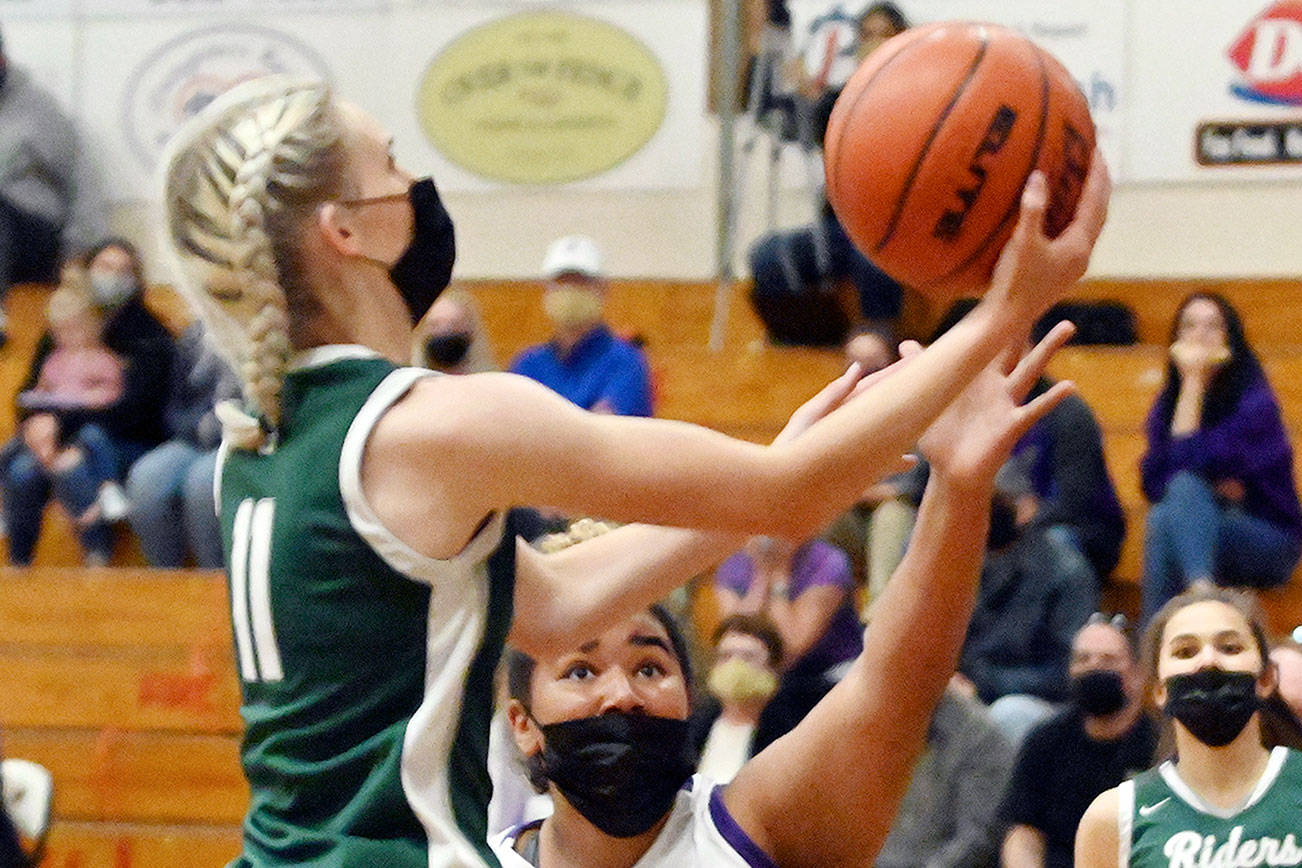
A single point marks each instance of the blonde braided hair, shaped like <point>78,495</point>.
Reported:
<point>240,180</point>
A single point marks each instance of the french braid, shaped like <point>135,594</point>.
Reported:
<point>242,178</point>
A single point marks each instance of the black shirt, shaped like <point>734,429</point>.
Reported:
<point>1060,771</point>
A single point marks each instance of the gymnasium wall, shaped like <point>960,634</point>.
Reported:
<point>1155,71</point>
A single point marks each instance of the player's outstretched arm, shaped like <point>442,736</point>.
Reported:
<point>827,793</point>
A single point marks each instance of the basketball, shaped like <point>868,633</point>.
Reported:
<point>932,140</point>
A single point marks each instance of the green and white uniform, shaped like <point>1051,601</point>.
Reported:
<point>1164,823</point>
<point>366,667</point>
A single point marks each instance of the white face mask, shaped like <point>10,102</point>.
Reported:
<point>111,290</point>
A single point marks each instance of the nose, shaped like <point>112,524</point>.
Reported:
<point>619,694</point>
<point>1207,657</point>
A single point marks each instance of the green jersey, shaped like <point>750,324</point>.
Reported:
<point>1164,823</point>
<point>366,667</point>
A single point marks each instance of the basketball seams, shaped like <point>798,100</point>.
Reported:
<point>832,166</point>
<point>903,198</point>
<point>1015,205</point>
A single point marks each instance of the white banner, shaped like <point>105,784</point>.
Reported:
<point>1228,104</point>
<point>15,10</point>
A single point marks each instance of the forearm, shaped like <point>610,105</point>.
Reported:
<point>1187,415</point>
<point>566,598</point>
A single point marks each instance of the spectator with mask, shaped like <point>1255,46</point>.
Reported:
<point>806,591</point>
<point>170,488</point>
<point>451,336</point>
<point>727,723</point>
<point>1035,593</point>
<point>1102,738</point>
<point>46,205</point>
<point>584,361</point>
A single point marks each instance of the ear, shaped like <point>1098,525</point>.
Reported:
<point>1159,694</point>
<point>334,224</point>
<point>1268,682</point>
<point>528,737</point>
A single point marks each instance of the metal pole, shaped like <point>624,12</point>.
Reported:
<point>729,53</point>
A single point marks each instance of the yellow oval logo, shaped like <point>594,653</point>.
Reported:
<point>542,98</point>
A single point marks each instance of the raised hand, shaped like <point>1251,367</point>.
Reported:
<point>972,438</point>
<point>1034,271</point>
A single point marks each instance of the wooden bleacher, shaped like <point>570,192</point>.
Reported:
<point>121,682</point>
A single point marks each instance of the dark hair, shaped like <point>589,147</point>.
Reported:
<point>890,12</point>
<point>758,626</point>
<point>1200,592</point>
<point>130,249</point>
<point>520,666</point>
<point>1229,382</point>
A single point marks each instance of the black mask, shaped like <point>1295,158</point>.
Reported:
<point>425,269</point>
<point>447,351</point>
<point>1003,530</point>
<point>620,771</point>
<point>1099,693</point>
<point>1213,704</point>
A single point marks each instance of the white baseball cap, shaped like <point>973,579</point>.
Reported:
<point>573,254</point>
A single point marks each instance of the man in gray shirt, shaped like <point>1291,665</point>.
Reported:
<point>39,181</point>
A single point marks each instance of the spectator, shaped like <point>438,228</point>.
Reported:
<point>1035,593</point>
<point>1287,657</point>
<point>726,724</point>
<point>795,270</point>
<point>947,817</point>
<point>134,423</point>
<point>1219,466</point>
<point>1102,738</point>
<point>451,336</point>
<point>805,590</point>
<point>44,195</point>
<point>170,488</point>
<point>57,450</point>
<point>584,361</point>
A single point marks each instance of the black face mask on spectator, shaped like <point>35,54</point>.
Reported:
<point>1003,524</point>
<point>447,351</point>
<point>1099,693</point>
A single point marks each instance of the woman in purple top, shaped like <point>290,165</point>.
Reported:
<point>1219,465</point>
<point>807,592</point>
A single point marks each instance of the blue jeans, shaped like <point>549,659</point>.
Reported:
<point>172,508</point>
<point>27,486</point>
<point>1191,534</point>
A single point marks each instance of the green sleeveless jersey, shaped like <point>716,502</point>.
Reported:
<point>366,668</point>
<point>1164,823</point>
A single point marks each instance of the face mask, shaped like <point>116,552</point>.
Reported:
<point>572,307</point>
<point>738,680</point>
<point>1213,704</point>
<point>447,351</point>
<point>620,771</point>
<point>1003,530</point>
<point>1099,693</point>
<point>111,290</point>
<point>425,268</point>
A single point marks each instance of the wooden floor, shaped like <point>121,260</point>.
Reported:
<point>120,680</point>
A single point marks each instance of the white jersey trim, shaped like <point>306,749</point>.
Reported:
<point>1268,777</point>
<point>1125,821</point>
<point>396,553</point>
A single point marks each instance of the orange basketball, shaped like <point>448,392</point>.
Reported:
<point>932,140</point>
